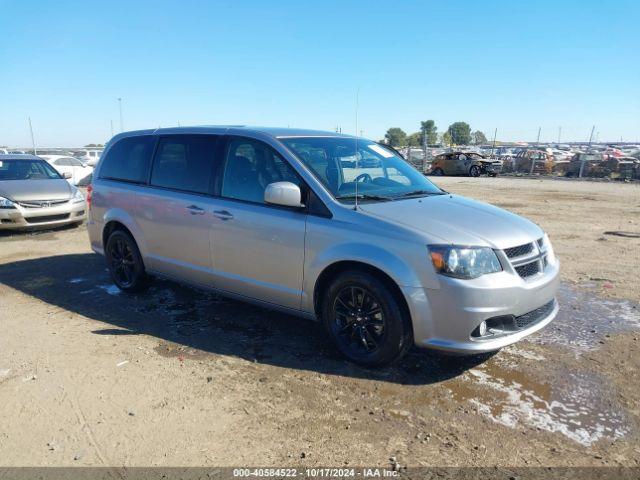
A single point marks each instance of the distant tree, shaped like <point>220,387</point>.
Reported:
<point>429,129</point>
<point>479,138</point>
<point>94,145</point>
<point>414,140</point>
<point>460,133</point>
<point>396,137</point>
<point>446,138</point>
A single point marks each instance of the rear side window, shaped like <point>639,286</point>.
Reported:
<point>184,162</point>
<point>128,160</point>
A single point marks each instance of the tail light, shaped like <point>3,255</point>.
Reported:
<point>89,192</point>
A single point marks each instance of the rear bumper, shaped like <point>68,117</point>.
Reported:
<point>28,218</point>
<point>446,318</point>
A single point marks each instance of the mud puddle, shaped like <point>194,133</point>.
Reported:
<point>520,387</point>
<point>578,405</point>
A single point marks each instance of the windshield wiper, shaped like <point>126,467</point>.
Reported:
<point>419,192</point>
<point>363,196</point>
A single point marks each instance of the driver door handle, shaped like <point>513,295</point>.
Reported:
<point>222,214</point>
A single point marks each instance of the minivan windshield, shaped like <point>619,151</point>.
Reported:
<point>27,169</point>
<point>375,173</point>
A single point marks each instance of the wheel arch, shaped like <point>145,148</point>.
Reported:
<point>331,271</point>
<point>120,220</point>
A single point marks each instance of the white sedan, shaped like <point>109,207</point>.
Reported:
<point>76,172</point>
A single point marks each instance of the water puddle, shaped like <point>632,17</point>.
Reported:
<point>110,289</point>
<point>577,405</point>
<point>584,319</point>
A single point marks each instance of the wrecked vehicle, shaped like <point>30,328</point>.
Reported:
<point>531,161</point>
<point>584,165</point>
<point>380,255</point>
<point>623,168</point>
<point>464,163</point>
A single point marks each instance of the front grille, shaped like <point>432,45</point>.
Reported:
<point>528,269</point>
<point>42,203</point>
<point>523,321</point>
<point>519,251</point>
<point>46,218</point>
<point>528,259</point>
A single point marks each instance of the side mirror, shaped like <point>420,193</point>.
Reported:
<point>286,194</point>
<point>67,175</point>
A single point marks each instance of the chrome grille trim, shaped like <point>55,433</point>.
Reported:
<point>529,259</point>
<point>42,203</point>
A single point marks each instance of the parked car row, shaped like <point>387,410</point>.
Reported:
<point>71,168</point>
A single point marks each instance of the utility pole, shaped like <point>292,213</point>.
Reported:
<point>33,142</point>
<point>495,134</point>
<point>120,107</point>
<point>538,141</point>
<point>424,150</point>
<point>582,156</point>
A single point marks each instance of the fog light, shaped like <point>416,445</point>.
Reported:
<point>482,329</point>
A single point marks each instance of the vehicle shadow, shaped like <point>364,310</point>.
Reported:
<point>190,322</point>
<point>40,232</point>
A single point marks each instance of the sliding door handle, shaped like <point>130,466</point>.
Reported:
<point>222,214</point>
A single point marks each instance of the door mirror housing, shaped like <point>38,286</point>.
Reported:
<point>67,175</point>
<point>286,194</point>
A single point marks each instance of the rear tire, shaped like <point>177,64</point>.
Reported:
<point>474,171</point>
<point>125,262</point>
<point>365,320</point>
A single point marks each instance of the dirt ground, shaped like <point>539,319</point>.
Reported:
<point>91,376</point>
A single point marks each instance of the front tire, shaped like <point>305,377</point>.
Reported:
<point>365,320</point>
<point>438,172</point>
<point>125,262</point>
<point>474,171</point>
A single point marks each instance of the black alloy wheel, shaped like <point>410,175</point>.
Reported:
<point>124,262</point>
<point>358,319</point>
<point>365,319</point>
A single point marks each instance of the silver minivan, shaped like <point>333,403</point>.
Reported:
<point>325,226</point>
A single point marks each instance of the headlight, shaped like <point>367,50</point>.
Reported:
<point>464,262</point>
<point>78,197</point>
<point>6,203</point>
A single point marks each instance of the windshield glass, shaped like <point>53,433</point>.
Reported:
<point>27,170</point>
<point>377,172</point>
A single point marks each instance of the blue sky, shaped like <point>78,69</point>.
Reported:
<point>510,65</point>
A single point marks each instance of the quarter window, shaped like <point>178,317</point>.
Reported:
<point>184,162</point>
<point>128,160</point>
<point>249,167</point>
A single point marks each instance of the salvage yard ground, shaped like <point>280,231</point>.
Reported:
<point>91,376</point>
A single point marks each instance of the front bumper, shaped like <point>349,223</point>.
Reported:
<point>21,217</point>
<point>445,318</point>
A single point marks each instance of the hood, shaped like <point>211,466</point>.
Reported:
<point>25,190</point>
<point>452,219</point>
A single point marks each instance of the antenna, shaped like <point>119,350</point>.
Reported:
<point>33,142</point>
<point>355,207</point>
